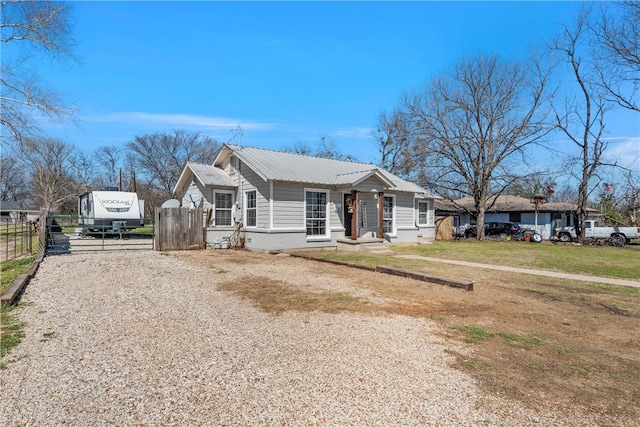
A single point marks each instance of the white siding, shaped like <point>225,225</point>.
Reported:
<point>288,206</point>
<point>249,180</point>
<point>367,203</point>
<point>370,185</point>
<point>203,196</point>
<point>335,211</point>
<point>405,213</point>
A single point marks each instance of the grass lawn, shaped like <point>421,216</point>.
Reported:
<point>12,269</point>
<point>12,330</point>
<point>605,261</point>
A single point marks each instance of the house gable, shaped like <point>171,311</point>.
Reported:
<point>206,175</point>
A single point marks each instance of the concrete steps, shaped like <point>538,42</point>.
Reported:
<point>377,249</point>
<point>372,246</point>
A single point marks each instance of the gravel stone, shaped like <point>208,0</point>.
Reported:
<point>142,338</point>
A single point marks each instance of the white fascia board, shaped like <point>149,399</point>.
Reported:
<point>390,185</point>
<point>184,177</point>
<point>221,154</point>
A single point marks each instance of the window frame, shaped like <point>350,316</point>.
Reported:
<point>515,217</point>
<point>429,214</point>
<point>327,214</point>
<point>393,214</point>
<point>216,208</point>
<point>247,209</point>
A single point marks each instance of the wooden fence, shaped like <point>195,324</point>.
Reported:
<point>179,229</point>
<point>444,228</point>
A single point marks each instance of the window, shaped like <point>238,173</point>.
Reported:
<point>425,213</point>
<point>251,213</point>
<point>515,217</point>
<point>316,217</point>
<point>223,208</point>
<point>387,214</point>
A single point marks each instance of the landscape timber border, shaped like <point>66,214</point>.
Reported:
<point>462,284</point>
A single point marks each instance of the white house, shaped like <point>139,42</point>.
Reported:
<point>282,200</point>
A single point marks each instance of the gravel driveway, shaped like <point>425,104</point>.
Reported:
<point>143,338</point>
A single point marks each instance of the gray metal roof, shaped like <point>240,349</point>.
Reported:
<point>210,175</point>
<point>206,174</point>
<point>10,205</point>
<point>274,165</point>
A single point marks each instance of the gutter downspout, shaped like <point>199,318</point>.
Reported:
<point>381,215</point>
<point>354,216</point>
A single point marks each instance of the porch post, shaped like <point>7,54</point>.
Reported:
<point>380,215</point>
<point>354,215</point>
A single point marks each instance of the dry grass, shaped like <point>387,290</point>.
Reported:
<point>277,297</point>
<point>548,343</point>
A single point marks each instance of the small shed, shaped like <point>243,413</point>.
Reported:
<point>10,211</point>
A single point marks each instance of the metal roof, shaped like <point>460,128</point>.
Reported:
<point>10,205</point>
<point>206,174</point>
<point>274,165</point>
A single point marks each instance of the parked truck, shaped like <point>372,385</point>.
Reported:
<point>110,211</point>
<point>619,235</point>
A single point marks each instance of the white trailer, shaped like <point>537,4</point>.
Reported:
<point>110,211</point>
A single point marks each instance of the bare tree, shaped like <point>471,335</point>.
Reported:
<point>581,118</point>
<point>162,156</point>
<point>472,126</point>
<point>566,193</point>
<point>13,183</point>
<point>630,195</point>
<point>618,53</point>
<point>46,163</point>
<point>537,183</point>
<point>26,28</point>
<point>108,157</point>
<point>300,148</point>
<point>394,144</point>
<point>326,148</point>
<point>81,168</point>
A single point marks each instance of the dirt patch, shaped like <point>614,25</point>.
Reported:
<point>549,344</point>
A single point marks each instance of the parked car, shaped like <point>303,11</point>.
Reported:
<point>495,229</point>
<point>621,235</point>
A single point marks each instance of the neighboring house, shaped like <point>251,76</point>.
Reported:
<point>10,211</point>
<point>282,200</point>
<point>515,209</point>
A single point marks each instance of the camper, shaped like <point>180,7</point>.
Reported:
<point>110,211</point>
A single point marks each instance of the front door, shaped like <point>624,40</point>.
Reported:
<point>348,214</point>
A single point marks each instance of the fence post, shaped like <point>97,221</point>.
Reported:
<point>42,232</point>
<point>15,239</point>
<point>30,239</point>
<point>6,252</point>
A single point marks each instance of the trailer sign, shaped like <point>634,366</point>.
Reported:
<point>116,202</point>
<point>110,210</point>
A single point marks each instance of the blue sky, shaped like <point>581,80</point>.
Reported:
<point>286,72</point>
